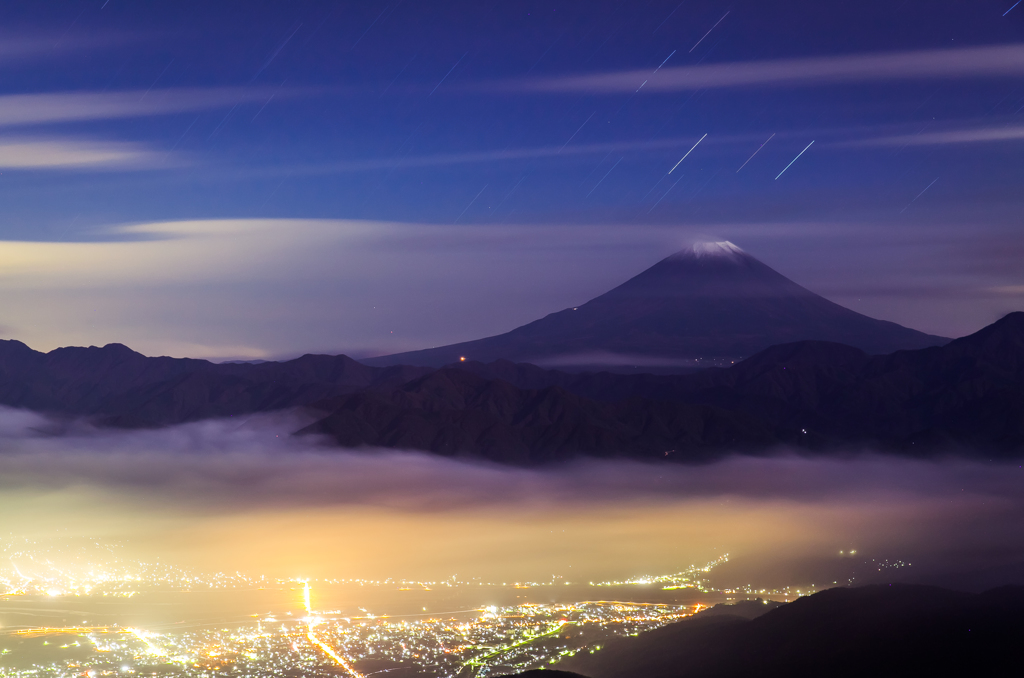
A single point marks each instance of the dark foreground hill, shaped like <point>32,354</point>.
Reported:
<point>897,630</point>
<point>707,304</point>
<point>965,397</point>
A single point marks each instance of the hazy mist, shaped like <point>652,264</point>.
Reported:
<point>246,495</point>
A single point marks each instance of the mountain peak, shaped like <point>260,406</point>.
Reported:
<point>720,249</point>
<point>711,301</point>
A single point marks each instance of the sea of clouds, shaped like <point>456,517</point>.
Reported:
<point>205,489</point>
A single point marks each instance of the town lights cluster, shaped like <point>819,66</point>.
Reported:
<point>355,642</point>
<point>490,641</point>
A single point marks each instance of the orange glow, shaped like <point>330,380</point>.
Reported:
<point>45,631</point>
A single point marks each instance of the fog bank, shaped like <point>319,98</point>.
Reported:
<point>246,495</point>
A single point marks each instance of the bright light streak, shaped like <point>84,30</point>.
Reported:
<point>662,63</point>
<point>311,623</point>
<point>688,153</point>
<point>329,651</point>
<point>150,647</point>
<point>793,160</point>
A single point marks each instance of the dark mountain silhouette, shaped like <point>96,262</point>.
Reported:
<point>894,630</point>
<point>966,397</point>
<point>741,609</point>
<point>708,304</point>
<point>116,386</point>
<point>456,413</point>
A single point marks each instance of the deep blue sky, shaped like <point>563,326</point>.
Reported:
<point>499,161</point>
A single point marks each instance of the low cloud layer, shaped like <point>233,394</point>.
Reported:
<point>255,462</point>
<point>223,491</point>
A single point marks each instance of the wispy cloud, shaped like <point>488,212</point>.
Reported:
<point>992,61</point>
<point>54,107</point>
<point>1008,290</point>
<point>493,156</point>
<point>58,153</point>
<point>497,156</point>
<point>977,135</point>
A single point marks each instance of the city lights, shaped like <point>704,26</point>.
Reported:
<point>481,640</point>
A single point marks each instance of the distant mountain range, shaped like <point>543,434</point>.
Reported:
<point>709,304</point>
<point>966,397</point>
<point>889,630</point>
<point>115,386</point>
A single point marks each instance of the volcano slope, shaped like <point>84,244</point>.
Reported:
<point>711,303</point>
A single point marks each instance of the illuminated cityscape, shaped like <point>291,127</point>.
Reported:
<point>56,622</point>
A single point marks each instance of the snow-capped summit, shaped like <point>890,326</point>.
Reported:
<point>710,302</point>
<point>722,248</point>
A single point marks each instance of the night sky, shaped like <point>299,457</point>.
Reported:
<point>256,180</point>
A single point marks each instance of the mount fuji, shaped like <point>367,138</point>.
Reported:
<point>709,304</point>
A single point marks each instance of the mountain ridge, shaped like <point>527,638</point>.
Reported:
<point>964,398</point>
<point>116,386</point>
